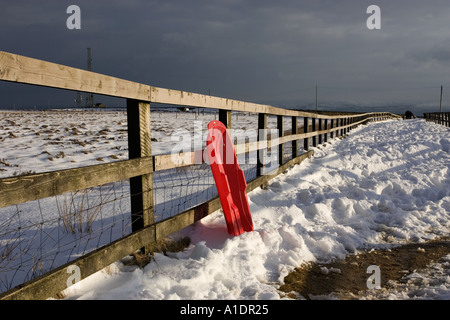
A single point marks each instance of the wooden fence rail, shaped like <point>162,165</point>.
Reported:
<point>142,164</point>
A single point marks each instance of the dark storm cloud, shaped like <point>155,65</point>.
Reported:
<point>263,51</point>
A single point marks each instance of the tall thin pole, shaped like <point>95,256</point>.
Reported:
<point>89,59</point>
<point>440,104</point>
<point>90,96</point>
<point>316,97</point>
<point>79,99</point>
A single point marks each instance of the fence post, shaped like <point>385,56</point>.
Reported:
<point>225,118</point>
<point>139,145</point>
<point>280,126</point>
<point>337,126</point>
<point>262,135</point>
<point>294,142</point>
<point>320,129</point>
<point>314,139</point>
<point>305,130</point>
<point>325,135</point>
<point>331,127</point>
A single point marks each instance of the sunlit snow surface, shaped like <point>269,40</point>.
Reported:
<point>387,183</point>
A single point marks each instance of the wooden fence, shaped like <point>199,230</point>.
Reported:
<point>141,165</point>
<point>442,118</point>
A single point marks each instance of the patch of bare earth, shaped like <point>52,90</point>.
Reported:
<point>347,279</point>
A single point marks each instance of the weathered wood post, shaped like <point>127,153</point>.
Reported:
<point>331,127</point>
<point>339,124</point>
<point>225,117</point>
<point>305,130</point>
<point>262,135</point>
<point>320,129</point>
<point>139,145</point>
<point>280,126</point>
<point>314,130</point>
<point>294,130</point>
<point>325,135</point>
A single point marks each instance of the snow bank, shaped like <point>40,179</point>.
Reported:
<point>387,183</point>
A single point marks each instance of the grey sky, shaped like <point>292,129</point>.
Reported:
<point>263,51</point>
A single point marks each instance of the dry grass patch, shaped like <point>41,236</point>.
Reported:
<point>163,246</point>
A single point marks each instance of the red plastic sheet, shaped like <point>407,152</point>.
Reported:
<point>229,179</point>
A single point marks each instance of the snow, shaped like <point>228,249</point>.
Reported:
<point>386,184</point>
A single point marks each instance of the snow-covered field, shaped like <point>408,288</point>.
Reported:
<point>386,184</point>
<point>38,236</point>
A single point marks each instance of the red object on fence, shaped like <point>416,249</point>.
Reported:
<point>229,178</point>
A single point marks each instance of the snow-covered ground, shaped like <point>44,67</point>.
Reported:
<point>38,236</point>
<point>387,183</point>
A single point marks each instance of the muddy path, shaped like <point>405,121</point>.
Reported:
<point>347,279</point>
